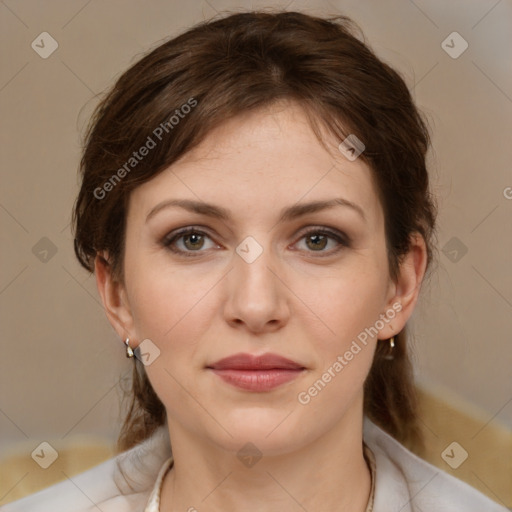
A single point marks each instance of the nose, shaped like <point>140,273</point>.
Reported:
<point>257,296</point>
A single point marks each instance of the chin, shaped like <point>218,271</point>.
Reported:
<point>265,429</point>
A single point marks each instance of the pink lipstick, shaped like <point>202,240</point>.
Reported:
<point>256,373</point>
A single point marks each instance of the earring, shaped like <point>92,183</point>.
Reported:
<point>129,351</point>
<point>389,356</point>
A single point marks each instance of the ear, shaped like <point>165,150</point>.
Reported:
<point>114,298</point>
<point>404,293</point>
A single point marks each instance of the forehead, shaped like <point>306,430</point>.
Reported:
<point>259,162</point>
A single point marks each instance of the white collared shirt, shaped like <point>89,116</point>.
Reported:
<point>131,482</point>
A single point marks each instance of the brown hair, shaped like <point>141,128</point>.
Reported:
<point>221,69</point>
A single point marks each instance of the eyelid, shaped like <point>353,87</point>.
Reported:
<point>170,238</point>
<point>338,235</point>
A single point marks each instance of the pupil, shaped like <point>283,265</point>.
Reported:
<point>319,240</point>
<point>194,238</point>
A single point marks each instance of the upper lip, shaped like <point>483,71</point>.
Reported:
<point>267,361</point>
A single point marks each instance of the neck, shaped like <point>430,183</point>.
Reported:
<point>328,473</point>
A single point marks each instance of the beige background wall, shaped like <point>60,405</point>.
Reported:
<point>60,359</point>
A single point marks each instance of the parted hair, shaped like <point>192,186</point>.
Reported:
<point>226,67</point>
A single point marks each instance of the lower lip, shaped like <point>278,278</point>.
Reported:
<point>257,380</point>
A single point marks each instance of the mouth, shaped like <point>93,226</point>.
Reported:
<point>256,373</point>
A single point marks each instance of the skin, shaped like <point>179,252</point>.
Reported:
<point>304,301</point>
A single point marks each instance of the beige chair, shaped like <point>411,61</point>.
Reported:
<point>20,475</point>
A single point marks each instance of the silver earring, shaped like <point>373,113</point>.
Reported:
<point>129,351</point>
<point>390,356</point>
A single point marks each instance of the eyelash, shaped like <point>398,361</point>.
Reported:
<point>170,239</point>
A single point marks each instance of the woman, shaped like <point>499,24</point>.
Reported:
<point>256,208</point>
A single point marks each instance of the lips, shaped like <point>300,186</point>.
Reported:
<point>256,373</point>
<point>249,362</point>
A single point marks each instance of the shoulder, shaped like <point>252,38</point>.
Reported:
<point>412,484</point>
<point>121,484</point>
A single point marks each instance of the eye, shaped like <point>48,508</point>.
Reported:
<point>317,239</point>
<point>186,241</point>
<point>191,239</point>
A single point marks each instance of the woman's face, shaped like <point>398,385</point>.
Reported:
<point>254,281</point>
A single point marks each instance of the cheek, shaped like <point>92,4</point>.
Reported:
<point>348,308</point>
<point>344,304</point>
<point>170,307</point>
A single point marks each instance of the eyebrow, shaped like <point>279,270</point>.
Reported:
<point>287,214</point>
